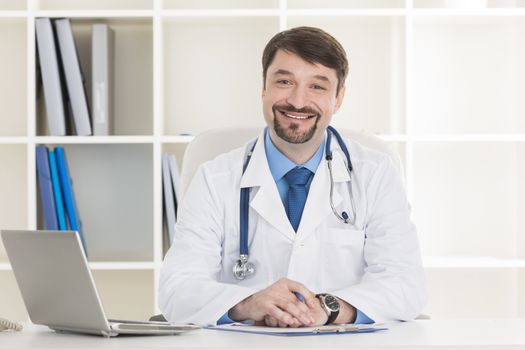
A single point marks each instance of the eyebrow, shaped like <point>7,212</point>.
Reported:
<point>282,72</point>
<point>322,77</point>
<point>286,72</point>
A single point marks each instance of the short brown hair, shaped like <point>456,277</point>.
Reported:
<point>313,45</point>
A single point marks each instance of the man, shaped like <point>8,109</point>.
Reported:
<point>311,267</point>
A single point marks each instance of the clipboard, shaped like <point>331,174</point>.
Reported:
<point>301,331</point>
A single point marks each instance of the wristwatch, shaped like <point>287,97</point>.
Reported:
<point>330,304</point>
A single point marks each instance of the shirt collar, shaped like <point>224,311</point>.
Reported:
<point>280,164</point>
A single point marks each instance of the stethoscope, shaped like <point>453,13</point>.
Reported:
<point>243,268</point>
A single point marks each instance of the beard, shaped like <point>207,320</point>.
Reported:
<point>292,134</point>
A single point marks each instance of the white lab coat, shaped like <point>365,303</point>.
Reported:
<point>374,265</point>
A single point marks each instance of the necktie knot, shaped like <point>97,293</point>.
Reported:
<point>298,176</point>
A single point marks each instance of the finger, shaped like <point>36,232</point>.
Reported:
<point>309,312</point>
<point>295,308</point>
<point>280,315</point>
<point>296,299</point>
<point>296,323</point>
<point>270,321</point>
<point>299,297</point>
<point>308,296</point>
<point>311,301</point>
<point>282,325</point>
<point>266,321</point>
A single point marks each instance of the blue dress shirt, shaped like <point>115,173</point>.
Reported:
<point>279,165</point>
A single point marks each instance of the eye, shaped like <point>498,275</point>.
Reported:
<point>284,82</point>
<point>318,87</point>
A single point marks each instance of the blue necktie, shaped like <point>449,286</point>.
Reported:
<point>297,179</point>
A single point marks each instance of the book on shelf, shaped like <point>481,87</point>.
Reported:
<point>69,198</point>
<point>57,191</point>
<point>102,79</point>
<point>74,77</point>
<point>45,187</point>
<point>51,77</point>
<point>171,195</point>
<point>67,107</point>
<point>169,199</point>
<point>175,179</point>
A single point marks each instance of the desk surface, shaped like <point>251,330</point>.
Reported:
<point>424,334</point>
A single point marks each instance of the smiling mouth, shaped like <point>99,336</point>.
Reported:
<point>297,117</point>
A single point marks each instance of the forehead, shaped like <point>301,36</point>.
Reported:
<point>290,62</point>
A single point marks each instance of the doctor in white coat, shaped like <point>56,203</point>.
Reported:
<point>324,270</point>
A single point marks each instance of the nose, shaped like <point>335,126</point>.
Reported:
<point>297,97</point>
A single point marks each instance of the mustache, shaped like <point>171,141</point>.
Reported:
<point>290,108</point>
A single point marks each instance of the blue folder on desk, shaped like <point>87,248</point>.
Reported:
<point>301,331</point>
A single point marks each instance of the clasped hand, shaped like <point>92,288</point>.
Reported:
<point>278,306</point>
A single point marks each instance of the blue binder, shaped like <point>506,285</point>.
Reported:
<point>57,192</point>
<point>46,189</point>
<point>69,198</point>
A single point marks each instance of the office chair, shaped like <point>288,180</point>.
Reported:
<point>210,144</point>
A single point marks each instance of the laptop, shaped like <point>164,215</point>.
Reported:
<point>58,289</point>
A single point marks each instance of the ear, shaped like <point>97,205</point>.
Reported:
<point>339,99</point>
<point>263,93</point>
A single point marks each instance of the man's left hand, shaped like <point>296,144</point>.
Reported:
<point>347,314</point>
<point>318,313</point>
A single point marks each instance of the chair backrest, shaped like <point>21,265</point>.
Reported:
<point>210,144</point>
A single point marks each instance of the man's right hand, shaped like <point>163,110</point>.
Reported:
<point>278,302</point>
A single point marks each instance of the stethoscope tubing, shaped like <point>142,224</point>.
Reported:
<point>242,268</point>
<point>244,209</point>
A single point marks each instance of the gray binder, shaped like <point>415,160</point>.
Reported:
<point>73,74</point>
<point>102,79</point>
<point>169,200</point>
<point>47,55</point>
<point>175,178</point>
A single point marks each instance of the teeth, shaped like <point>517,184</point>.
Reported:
<point>296,116</point>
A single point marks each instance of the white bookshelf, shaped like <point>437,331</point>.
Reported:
<point>440,81</point>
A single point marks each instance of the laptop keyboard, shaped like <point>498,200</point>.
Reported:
<point>146,327</point>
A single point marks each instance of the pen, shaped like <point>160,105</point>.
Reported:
<point>299,296</point>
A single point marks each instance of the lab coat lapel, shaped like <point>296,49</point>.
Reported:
<point>266,200</point>
<point>317,206</point>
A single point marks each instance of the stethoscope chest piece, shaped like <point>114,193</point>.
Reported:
<point>243,268</point>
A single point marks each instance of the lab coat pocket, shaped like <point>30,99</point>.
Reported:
<point>345,238</point>
<point>343,251</point>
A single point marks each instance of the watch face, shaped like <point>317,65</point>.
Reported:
<point>331,302</point>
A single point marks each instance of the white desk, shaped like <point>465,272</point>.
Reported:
<point>425,334</point>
